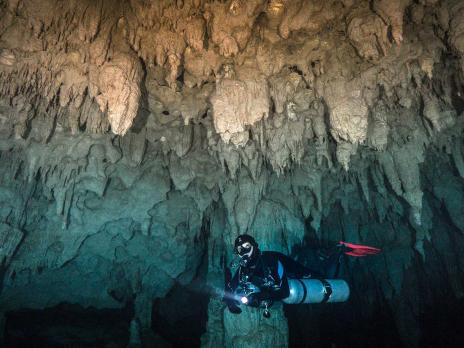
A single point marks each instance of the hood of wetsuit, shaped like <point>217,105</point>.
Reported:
<point>247,249</point>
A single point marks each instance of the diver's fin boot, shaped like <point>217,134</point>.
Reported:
<point>357,250</point>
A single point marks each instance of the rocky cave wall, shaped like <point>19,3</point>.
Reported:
<point>138,138</point>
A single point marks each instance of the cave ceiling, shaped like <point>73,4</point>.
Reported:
<point>123,122</point>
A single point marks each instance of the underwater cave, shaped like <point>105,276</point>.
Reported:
<point>156,156</point>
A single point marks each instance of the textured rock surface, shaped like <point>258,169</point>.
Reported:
<point>138,138</point>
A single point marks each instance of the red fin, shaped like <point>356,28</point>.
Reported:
<point>360,250</point>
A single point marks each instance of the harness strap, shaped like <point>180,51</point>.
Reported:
<point>327,290</point>
<point>305,291</point>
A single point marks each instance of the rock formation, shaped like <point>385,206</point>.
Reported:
<point>139,138</point>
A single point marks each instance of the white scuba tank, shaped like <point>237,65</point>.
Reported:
<point>312,290</point>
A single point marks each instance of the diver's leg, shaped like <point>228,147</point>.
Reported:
<point>333,263</point>
<point>295,269</point>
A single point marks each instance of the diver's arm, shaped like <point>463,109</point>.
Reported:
<point>282,291</point>
<point>229,291</point>
<point>276,291</point>
<point>272,294</point>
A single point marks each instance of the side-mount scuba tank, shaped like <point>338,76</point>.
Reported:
<point>311,290</point>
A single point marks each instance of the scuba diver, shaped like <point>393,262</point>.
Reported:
<point>263,277</point>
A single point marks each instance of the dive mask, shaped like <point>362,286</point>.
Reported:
<point>244,249</point>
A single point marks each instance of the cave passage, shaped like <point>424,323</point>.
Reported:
<point>67,325</point>
<point>180,318</point>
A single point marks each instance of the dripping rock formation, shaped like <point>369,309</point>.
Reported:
<point>139,138</point>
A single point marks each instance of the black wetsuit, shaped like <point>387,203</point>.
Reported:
<point>270,273</point>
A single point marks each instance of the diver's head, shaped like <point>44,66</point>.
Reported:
<point>247,249</point>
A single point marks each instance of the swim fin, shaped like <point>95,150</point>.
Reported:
<point>357,250</point>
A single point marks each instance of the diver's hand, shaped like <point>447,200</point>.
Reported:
<point>232,304</point>
<point>234,309</point>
